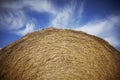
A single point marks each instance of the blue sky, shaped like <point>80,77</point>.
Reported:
<point>96,17</point>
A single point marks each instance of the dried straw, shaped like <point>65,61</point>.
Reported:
<point>57,54</point>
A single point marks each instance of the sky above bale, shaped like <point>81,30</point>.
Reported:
<point>100,18</point>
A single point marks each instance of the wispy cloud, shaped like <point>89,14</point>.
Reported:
<point>13,16</point>
<point>66,17</point>
<point>104,28</point>
<point>97,27</point>
<point>80,12</point>
<point>37,5</point>
<point>61,20</point>
<point>41,6</point>
<point>113,40</point>
<point>11,19</point>
<point>30,27</point>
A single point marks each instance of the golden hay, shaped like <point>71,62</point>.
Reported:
<point>57,54</point>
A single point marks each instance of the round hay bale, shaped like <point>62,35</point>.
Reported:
<point>58,54</point>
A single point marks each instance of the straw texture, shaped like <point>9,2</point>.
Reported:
<point>58,54</point>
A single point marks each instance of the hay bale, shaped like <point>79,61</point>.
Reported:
<point>57,54</point>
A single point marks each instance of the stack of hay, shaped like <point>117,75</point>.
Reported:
<point>57,54</point>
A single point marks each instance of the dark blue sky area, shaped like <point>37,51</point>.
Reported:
<point>101,8</point>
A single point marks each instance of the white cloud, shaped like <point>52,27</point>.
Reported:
<point>41,6</point>
<point>98,27</point>
<point>102,28</point>
<point>12,17</point>
<point>80,12</point>
<point>62,19</point>
<point>30,27</point>
<point>95,27</point>
<point>12,20</point>
<point>37,5</point>
<point>113,40</point>
<point>66,17</point>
